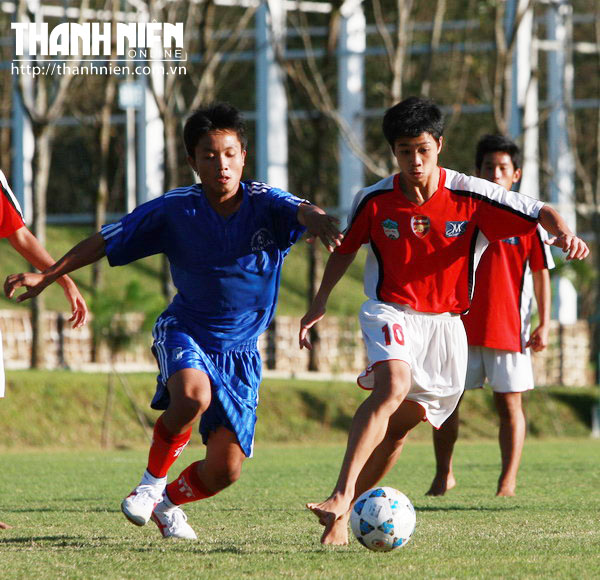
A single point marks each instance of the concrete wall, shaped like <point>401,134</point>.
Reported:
<point>565,362</point>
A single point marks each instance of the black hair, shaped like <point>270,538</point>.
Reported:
<point>214,117</point>
<point>413,117</point>
<point>497,144</point>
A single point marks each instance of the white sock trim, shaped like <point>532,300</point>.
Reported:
<point>149,479</point>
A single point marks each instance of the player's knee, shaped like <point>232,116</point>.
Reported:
<point>394,392</point>
<point>192,400</point>
<point>392,383</point>
<point>227,474</point>
<point>395,442</point>
<point>509,407</point>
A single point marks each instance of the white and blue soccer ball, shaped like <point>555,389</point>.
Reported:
<point>383,519</point>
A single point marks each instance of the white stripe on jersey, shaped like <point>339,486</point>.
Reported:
<point>159,332</point>
<point>112,233</point>
<point>481,243</point>
<point>10,194</point>
<point>183,192</point>
<point>527,290</point>
<point>543,236</point>
<point>109,227</point>
<point>525,304</point>
<point>257,187</point>
<point>518,202</point>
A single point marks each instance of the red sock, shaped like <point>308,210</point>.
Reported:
<point>165,449</point>
<point>188,487</point>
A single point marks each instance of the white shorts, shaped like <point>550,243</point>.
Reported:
<point>505,370</point>
<point>434,346</point>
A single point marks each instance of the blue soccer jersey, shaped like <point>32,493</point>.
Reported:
<point>226,269</point>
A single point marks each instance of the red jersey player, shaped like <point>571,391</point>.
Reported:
<point>498,325</point>
<point>21,239</point>
<point>425,230</point>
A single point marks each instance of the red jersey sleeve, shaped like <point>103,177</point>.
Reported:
<point>10,213</point>
<point>358,231</point>
<point>498,223</point>
<point>499,213</point>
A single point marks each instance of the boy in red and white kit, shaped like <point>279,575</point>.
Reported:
<point>511,271</point>
<point>425,229</point>
<point>21,239</point>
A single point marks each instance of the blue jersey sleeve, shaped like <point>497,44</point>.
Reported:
<point>284,212</point>
<point>137,235</point>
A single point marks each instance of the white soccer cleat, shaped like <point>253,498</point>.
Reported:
<point>172,523</point>
<point>140,503</point>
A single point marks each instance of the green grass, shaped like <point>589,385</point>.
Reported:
<point>345,300</point>
<point>64,509</point>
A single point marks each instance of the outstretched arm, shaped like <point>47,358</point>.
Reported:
<point>564,238</point>
<point>86,252</point>
<point>334,270</point>
<point>320,225</point>
<point>541,287</point>
<point>24,242</point>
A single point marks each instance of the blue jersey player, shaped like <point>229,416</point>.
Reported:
<point>226,240</point>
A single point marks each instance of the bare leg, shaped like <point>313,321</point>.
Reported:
<point>190,394</point>
<point>369,426</point>
<point>512,438</point>
<point>444,439</point>
<point>408,416</point>
<point>222,465</point>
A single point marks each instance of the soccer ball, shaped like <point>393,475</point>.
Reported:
<point>383,519</point>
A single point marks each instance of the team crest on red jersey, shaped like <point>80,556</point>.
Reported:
<point>390,229</point>
<point>420,225</point>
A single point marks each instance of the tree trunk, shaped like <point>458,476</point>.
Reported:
<point>171,182</point>
<point>315,265</point>
<point>103,185</point>
<point>102,193</point>
<point>315,272</point>
<point>44,135</point>
<point>108,412</point>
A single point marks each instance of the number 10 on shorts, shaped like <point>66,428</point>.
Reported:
<point>396,333</point>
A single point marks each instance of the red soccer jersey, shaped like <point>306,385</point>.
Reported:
<point>425,256</point>
<point>11,218</point>
<point>500,311</point>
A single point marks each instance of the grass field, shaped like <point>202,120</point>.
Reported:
<point>64,509</point>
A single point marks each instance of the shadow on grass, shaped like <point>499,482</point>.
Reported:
<point>454,508</point>
<point>317,409</point>
<point>56,541</point>
<point>580,404</point>
<point>60,509</point>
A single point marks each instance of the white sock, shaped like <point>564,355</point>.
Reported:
<point>148,479</point>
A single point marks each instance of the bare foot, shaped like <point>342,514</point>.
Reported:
<point>506,491</point>
<point>4,526</point>
<point>329,512</point>
<point>441,484</point>
<point>337,533</point>
<point>506,486</point>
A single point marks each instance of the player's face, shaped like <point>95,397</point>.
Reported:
<point>417,157</point>
<point>498,168</point>
<point>219,161</point>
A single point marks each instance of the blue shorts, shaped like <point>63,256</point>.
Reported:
<point>235,376</point>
